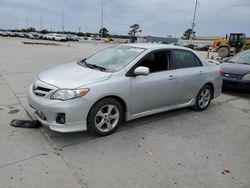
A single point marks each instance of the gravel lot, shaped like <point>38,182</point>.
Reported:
<point>178,149</point>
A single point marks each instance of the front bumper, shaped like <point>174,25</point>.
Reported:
<point>75,110</point>
<point>236,84</point>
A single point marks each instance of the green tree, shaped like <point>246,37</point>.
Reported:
<point>44,31</point>
<point>103,32</point>
<point>135,28</point>
<point>188,34</point>
<point>31,29</point>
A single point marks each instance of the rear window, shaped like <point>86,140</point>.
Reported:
<point>185,59</point>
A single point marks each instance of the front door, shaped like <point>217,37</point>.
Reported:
<point>158,88</point>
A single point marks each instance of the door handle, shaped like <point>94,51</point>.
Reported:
<point>171,77</point>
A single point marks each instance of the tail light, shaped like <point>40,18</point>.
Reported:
<point>221,72</point>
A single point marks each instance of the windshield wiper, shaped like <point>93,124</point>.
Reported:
<point>92,66</point>
<point>96,67</point>
<point>81,62</point>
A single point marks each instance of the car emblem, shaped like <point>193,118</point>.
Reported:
<point>227,75</point>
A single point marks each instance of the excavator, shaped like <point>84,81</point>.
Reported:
<point>236,42</point>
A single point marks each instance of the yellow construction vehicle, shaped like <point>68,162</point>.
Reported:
<point>108,40</point>
<point>236,42</point>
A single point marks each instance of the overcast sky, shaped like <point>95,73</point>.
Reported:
<point>156,17</point>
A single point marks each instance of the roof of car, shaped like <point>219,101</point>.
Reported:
<point>155,46</point>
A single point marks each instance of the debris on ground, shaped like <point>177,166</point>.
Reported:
<point>225,170</point>
<point>58,149</point>
<point>148,152</point>
<point>57,153</point>
<point>25,123</point>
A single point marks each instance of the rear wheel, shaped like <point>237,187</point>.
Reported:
<point>105,117</point>
<point>223,52</point>
<point>203,98</point>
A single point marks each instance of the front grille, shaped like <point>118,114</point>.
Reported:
<point>230,75</point>
<point>42,89</point>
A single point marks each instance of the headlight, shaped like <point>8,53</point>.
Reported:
<point>66,94</point>
<point>246,77</point>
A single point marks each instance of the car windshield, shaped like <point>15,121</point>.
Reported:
<point>241,58</point>
<point>114,58</point>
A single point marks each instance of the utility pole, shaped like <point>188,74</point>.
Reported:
<point>62,21</point>
<point>41,23</point>
<point>102,18</point>
<point>27,22</point>
<point>16,24</point>
<point>193,23</point>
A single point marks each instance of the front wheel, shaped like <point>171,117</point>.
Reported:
<point>105,117</point>
<point>203,98</point>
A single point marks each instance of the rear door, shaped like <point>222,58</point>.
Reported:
<point>190,75</point>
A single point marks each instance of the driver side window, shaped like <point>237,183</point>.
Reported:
<point>157,61</point>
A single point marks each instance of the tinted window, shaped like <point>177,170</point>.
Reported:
<point>157,61</point>
<point>197,61</point>
<point>185,59</point>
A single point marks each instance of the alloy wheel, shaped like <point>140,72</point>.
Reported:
<point>204,98</point>
<point>107,118</point>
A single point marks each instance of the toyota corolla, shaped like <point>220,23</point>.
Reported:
<point>122,83</point>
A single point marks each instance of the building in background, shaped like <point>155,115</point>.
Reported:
<point>152,39</point>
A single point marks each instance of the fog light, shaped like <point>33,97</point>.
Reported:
<point>41,115</point>
<point>60,119</point>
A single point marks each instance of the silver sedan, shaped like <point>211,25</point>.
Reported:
<point>122,83</point>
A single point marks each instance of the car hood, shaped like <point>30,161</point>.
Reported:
<point>72,75</point>
<point>233,68</point>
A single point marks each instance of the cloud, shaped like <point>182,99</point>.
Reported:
<point>156,17</point>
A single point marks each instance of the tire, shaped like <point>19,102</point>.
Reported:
<point>203,98</point>
<point>223,52</point>
<point>105,117</point>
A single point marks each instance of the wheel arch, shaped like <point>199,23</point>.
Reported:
<point>211,85</point>
<point>117,98</point>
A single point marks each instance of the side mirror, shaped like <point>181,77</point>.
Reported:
<point>141,71</point>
